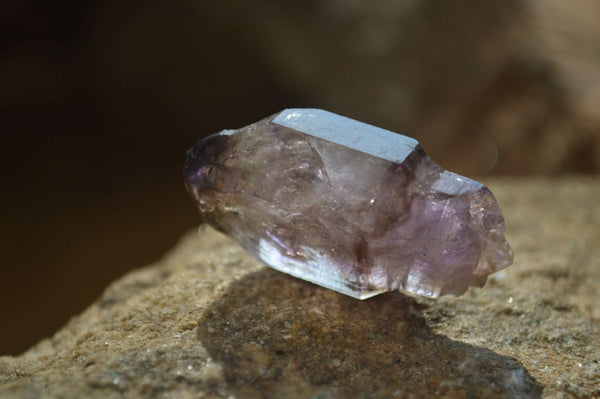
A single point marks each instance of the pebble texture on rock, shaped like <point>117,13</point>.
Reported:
<point>209,321</point>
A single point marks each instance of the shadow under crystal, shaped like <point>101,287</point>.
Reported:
<point>277,336</point>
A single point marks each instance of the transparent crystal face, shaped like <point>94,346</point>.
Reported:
<point>347,206</point>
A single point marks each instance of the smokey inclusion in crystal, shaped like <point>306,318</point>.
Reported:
<point>347,206</point>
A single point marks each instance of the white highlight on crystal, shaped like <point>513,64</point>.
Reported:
<point>292,115</point>
<point>453,184</point>
<point>353,134</point>
<point>415,282</point>
<point>312,266</point>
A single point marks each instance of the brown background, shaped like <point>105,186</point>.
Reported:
<point>100,100</point>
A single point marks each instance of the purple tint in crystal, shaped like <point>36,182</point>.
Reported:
<point>347,206</point>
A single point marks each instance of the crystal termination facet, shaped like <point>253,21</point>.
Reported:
<point>347,206</point>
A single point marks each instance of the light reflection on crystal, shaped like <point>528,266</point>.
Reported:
<point>348,206</point>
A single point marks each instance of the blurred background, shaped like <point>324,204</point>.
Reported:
<point>99,101</point>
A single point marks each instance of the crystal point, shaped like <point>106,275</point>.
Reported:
<point>347,206</point>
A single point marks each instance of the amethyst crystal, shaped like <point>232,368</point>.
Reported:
<point>347,206</point>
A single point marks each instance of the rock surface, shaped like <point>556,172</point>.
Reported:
<point>209,321</point>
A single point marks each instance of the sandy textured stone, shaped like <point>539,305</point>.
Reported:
<point>209,321</point>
